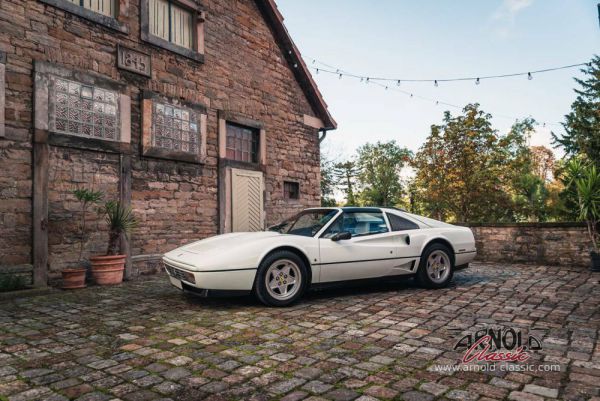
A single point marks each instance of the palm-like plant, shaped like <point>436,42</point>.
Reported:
<point>587,187</point>
<point>86,197</point>
<point>120,221</point>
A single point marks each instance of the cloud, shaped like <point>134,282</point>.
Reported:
<point>506,14</point>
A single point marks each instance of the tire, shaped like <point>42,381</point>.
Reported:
<point>272,284</point>
<point>433,277</point>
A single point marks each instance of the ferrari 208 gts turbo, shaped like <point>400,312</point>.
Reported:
<point>319,247</point>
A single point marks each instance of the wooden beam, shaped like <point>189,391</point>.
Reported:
<point>125,199</point>
<point>40,209</point>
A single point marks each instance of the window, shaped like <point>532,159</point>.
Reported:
<point>171,23</point>
<point>109,13</point>
<point>81,109</point>
<point>173,129</point>
<point>242,143</point>
<point>105,7</point>
<point>175,25</point>
<point>84,110</point>
<point>358,224</point>
<point>306,223</point>
<point>398,223</point>
<point>291,190</point>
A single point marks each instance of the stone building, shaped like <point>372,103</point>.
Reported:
<point>200,114</point>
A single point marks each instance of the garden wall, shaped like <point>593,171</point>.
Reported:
<point>562,244</point>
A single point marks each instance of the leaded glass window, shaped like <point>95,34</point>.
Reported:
<point>85,110</point>
<point>175,128</point>
<point>242,143</point>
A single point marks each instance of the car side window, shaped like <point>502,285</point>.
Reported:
<point>398,223</point>
<point>358,224</point>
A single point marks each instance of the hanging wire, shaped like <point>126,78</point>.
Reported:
<point>437,102</point>
<point>480,78</point>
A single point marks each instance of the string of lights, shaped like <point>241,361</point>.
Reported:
<point>384,83</point>
<point>476,80</point>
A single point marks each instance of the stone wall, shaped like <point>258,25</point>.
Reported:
<point>244,72</point>
<point>562,244</point>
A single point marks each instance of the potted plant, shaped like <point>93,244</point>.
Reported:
<point>587,187</point>
<point>108,269</point>
<point>75,277</point>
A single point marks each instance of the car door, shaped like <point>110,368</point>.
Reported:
<point>408,239</point>
<point>369,253</point>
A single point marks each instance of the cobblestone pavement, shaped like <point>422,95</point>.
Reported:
<point>144,341</point>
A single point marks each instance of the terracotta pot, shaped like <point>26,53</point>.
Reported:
<point>73,278</point>
<point>109,269</point>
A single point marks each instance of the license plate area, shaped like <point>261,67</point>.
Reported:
<point>176,282</point>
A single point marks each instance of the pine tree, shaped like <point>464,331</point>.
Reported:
<point>582,124</point>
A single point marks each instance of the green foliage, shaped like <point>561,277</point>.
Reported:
<point>327,182</point>
<point>86,197</point>
<point>11,282</point>
<point>120,221</point>
<point>531,198</point>
<point>379,173</point>
<point>568,172</point>
<point>465,170</point>
<point>345,174</point>
<point>587,186</point>
<point>582,124</point>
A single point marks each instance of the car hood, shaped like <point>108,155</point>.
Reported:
<point>222,252</point>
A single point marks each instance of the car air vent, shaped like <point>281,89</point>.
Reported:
<point>180,274</point>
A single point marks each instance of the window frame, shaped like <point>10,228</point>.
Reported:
<point>113,22</point>
<point>296,184</point>
<point>254,143</point>
<point>198,19</point>
<point>387,215</point>
<point>43,106</point>
<point>150,150</point>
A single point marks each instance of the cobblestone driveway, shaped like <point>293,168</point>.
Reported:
<point>144,341</point>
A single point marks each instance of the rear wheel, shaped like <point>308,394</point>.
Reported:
<point>436,267</point>
<point>281,279</point>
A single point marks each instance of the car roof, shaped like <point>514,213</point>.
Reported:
<point>359,208</point>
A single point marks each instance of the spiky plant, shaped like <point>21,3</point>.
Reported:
<point>588,198</point>
<point>86,197</point>
<point>120,221</point>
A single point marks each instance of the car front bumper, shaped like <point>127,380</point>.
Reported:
<point>235,280</point>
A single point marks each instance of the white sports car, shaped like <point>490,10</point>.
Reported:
<point>322,246</point>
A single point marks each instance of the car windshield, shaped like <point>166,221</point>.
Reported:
<point>306,223</point>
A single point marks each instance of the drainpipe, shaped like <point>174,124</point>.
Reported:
<point>323,135</point>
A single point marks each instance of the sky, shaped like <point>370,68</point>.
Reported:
<point>429,39</point>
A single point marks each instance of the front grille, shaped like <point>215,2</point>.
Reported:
<point>180,274</point>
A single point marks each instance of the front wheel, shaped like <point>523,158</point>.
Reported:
<point>436,267</point>
<point>281,279</point>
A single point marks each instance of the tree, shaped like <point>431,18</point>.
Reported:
<point>379,175</point>
<point>568,172</point>
<point>542,162</point>
<point>327,181</point>
<point>582,124</point>
<point>345,174</point>
<point>465,170</point>
<point>531,197</point>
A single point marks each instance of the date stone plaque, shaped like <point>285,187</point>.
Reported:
<point>134,61</point>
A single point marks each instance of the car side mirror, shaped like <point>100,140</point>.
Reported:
<point>341,236</point>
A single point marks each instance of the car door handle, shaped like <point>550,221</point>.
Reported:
<point>407,239</point>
